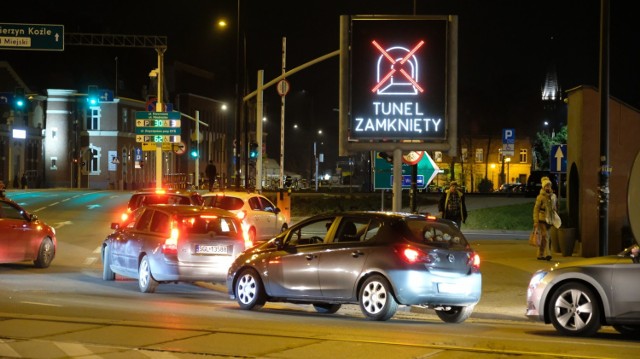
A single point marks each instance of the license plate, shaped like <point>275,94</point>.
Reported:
<point>451,288</point>
<point>203,249</point>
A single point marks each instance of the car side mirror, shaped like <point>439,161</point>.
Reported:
<point>277,210</point>
<point>115,225</point>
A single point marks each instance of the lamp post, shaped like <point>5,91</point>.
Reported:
<point>493,168</point>
<point>508,160</point>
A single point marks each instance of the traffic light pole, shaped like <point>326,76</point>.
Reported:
<point>159,108</point>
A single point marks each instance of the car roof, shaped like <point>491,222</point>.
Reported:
<point>186,210</point>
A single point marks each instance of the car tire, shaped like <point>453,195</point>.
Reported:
<point>249,290</point>
<point>146,283</point>
<point>107,273</point>
<point>326,308</point>
<point>376,300</point>
<point>455,314</point>
<point>628,330</point>
<point>46,251</point>
<point>574,309</point>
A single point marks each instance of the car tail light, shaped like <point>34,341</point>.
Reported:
<point>241,215</point>
<point>474,261</point>
<point>161,191</point>
<point>170,245</point>
<point>412,255</point>
<point>245,235</point>
<point>124,216</point>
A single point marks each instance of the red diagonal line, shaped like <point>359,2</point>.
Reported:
<point>419,45</point>
<point>402,71</point>
<point>376,87</point>
<point>383,52</point>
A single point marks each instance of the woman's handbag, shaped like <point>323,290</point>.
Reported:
<point>534,238</point>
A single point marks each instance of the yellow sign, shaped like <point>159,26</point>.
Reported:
<point>151,146</point>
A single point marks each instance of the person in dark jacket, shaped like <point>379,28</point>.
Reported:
<point>452,205</point>
<point>211,174</point>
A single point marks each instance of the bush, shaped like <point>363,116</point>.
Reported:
<point>485,186</point>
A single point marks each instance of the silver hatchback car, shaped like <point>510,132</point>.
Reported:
<point>579,297</point>
<point>376,259</point>
<point>172,243</point>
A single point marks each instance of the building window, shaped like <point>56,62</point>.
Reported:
<point>464,154</point>
<point>54,165</point>
<point>524,155</point>
<point>479,155</point>
<point>94,160</point>
<point>93,118</point>
<point>125,119</point>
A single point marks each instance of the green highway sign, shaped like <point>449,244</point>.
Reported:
<point>383,178</point>
<point>162,131</point>
<point>147,115</point>
<point>158,123</point>
<point>31,37</point>
<point>158,138</point>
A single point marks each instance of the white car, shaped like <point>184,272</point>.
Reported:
<point>261,218</point>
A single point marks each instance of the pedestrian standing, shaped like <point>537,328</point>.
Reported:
<point>211,174</point>
<point>452,204</point>
<point>23,181</point>
<point>543,212</point>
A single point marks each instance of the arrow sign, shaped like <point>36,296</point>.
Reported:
<point>558,160</point>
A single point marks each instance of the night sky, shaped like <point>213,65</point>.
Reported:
<point>505,49</point>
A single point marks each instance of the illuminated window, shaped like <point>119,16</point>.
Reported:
<point>464,154</point>
<point>54,165</point>
<point>93,164</point>
<point>524,155</point>
<point>438,156</point>
<point>479,155</point>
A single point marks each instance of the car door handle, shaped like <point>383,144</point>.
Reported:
<point>311,256</point>
<point>356,254</point>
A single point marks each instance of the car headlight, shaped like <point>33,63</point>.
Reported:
<point>537,278</point>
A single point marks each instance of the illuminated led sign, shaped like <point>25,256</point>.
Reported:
<point>398,79</point>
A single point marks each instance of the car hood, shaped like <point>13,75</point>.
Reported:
<point>587,262</point>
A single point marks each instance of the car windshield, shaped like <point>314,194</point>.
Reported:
<point>225,202</point>
<point>203,224</point>
<point>435,234</point>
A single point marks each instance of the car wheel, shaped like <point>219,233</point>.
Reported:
<point>630,330</point>
<point>326,308</point>
<point>146,283</point>
<point>376,300</point>
<point>455,314</point>
<point>574,309</point>
<point>45,253</point>
<point>107,273</point>
<point>249,290</point>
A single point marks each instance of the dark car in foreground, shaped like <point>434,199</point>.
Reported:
<point>23,237</point>
<point>375,259</point>
<point>580,297</point>
<point>173,243</point>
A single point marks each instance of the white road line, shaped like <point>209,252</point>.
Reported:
<point>43,304</point>
<point>8,352</point>
<point>75,350</point>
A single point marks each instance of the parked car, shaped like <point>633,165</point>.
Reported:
<point>263,220</point>
<point>24,237</point>
<point>172,243</point>
<point>579,297</point>
<point>378,260</point>
<point>150,196</point>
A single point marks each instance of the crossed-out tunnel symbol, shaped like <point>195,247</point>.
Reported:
<point>398,65</point>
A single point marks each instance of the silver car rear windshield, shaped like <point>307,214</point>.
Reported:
<point>435,234</point>
<point>204,224</point>
<point>224,202</point>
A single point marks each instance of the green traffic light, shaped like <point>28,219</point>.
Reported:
<point>20,103</point>
<point>194,154</point>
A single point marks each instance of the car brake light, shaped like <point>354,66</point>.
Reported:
<point>124,217</point>
<point>245,235</point>
<point>431,218</point>
<point>160,191</point>
<point>208,216</point>
<point>474,261</point>
<point>241,215</point>
<point>170,245</point>
<point>412,255</point>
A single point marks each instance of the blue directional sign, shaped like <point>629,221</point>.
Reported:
<point>558,159</point>
<point>31,37</point>
<point>383,178</point>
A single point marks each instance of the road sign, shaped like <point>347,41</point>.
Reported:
<point>179,148</point>
<point>31,37</point>
<point>138,154</point>
<point>155,131</point>
<point>283,87</point>
<point>383,179</point>
<point>150,115</point>
<point>158,138</point>
<point>105,95</point>
<point>508,141</point>
<point>558,159</point>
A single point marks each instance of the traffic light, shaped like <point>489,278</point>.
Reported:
<point>194,150</point>
<point>253,151</point>
<point>93,97</point>
<point>19,99</point>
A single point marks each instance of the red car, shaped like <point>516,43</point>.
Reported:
<point>23,237</point>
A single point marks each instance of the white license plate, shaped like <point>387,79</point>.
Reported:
<point>201,249</point>
<point>451,288</point>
